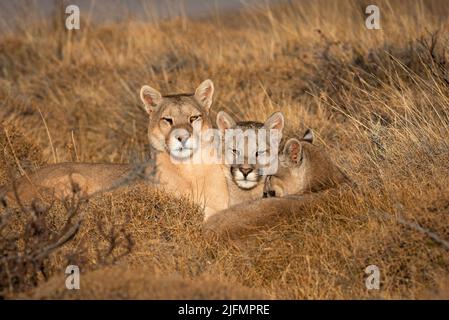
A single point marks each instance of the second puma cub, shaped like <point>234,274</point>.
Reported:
<point>304,168</point>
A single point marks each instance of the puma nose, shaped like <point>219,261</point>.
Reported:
<point>245,171</point>
<point>183,137</point>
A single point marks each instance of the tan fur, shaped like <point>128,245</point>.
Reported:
<point>252,216</point>
<point>175,112</point>
<point>248,217</point>
<point>61,179</point>
<point>298,183</point>
<point>243,188</point>
<point>184,111</point>
<point>310,170</point>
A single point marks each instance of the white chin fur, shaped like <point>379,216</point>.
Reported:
<point>248,183</point>
<point>181,153</point>
<point>245,184</point>
<point>238,175</point>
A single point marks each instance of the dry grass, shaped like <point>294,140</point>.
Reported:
<point>378,101</point>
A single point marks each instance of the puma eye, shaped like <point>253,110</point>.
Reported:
<point>260,153</point>
<point>235,152</point>
<point>168,120</point>
<point>194,118</point>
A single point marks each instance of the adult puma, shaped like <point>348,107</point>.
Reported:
<point>176,125</point>
<point>305,171</point>
<point>187,162</point>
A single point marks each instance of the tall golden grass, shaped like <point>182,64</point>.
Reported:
<point>376,99</point>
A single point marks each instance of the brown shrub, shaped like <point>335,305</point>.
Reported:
<point>18,153</point>
<point>125,282</point>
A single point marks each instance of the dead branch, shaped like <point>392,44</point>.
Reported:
<point>412,225</point>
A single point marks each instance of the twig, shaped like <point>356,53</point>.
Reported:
<point>415,226</point>
<point>71,232</point>
<point>74,148</point>
<point>49,136</point>
<point>13,152</point>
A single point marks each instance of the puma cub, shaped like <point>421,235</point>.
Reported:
<point>176,124</point>
<point>305,170</point>
<point>245,179</point>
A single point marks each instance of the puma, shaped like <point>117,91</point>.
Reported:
<point>176,124</point>
<point>306,170</point>
<point>246,178</point>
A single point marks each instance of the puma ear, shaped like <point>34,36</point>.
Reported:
<point>308,136</point>
<point>150,98</point>
<point>292,151</point>
<point>275,121</point>
<point>225,121</point>
<point>204,93</point>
